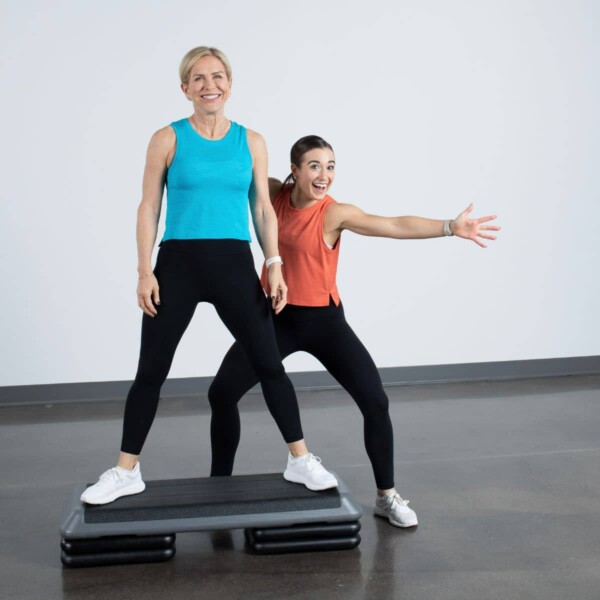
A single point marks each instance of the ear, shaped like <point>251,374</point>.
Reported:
<point>184,89</point>
<point>294,171</point>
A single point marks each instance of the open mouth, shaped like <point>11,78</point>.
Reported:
<point>210,97</point>
<point>321,187</point>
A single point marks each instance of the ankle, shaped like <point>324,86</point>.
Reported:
<point>298,449</point>
<point>127,461</point>
<point>127,466</point>
<point>298,455</point>
<point>390,492</point>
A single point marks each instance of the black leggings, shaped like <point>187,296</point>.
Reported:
<point>220,272</point>
<point>324,333</point>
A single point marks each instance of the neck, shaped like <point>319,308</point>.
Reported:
<point>298,199</point>
<point>211,126</point>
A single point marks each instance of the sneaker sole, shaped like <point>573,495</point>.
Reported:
<point>378,512</point>
<point>129,491</point>
<point>292,478</point>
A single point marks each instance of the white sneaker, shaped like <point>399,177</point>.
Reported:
<point>395,509</point>
<point>307,469</point>
<point>113,484</point>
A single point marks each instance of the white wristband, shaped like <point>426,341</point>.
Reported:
<point>447,230</point>
<point>273,260</point>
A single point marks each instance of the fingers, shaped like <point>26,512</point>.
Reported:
<point>275,301</point>
<point>147,291</point>
<point>463,216</point>
<point>280,306</point>
<point>279,300</point>
<point>486,236</point>
<point>485,219</point>
<point>467,210</point>
<point>145,303</point>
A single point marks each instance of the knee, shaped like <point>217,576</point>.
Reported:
<point>214,393</point>
<point>221,394</point>
<point>151,373</point>
<point>269,370</point>
<point>377,406</point>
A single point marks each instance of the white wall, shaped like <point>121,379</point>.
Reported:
<point>429,104</point>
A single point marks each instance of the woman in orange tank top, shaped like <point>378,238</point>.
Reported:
<point>310,225</point>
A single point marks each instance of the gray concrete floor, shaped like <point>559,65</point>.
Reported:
<point>505,478</point>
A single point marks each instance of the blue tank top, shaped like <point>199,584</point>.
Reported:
<point>208,184</point>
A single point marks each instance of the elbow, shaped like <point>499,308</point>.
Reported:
<point>148,210</point>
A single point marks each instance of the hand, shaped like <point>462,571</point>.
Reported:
<point>147,290</point>
<point>277,287</point>
<point>472,229</point>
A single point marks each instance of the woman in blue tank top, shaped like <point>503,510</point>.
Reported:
<point>213,169</point>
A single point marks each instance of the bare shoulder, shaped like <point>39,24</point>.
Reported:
<point>338,214</point>
<point>341,209</point>
<point>254,136</point>
<point>256,142</point>
<point>163,141</point>
<point>274,187</point>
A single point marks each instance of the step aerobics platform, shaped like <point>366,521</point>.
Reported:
<point>278,516</point>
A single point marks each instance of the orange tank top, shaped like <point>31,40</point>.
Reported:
<point>309,266</point>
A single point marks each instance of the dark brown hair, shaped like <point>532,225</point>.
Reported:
<point>299,149</point>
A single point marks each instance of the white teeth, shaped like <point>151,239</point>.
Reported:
<point>211,97</point>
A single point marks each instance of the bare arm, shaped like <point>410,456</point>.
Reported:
<point>274,188</point>
<point>160,152</point>
<point>264,217</point>
<point>347,216</point>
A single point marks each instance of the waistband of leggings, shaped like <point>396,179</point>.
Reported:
<point>217,247</point>
<point>304,313</point>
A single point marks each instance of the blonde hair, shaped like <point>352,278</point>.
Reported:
<point>195,54</point>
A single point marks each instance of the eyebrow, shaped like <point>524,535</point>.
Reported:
<point>316,161</point>
<point>215,73</point>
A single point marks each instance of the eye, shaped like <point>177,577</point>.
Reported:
<point>315,167</point>
<point>331,168</point>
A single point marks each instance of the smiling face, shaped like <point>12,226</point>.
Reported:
<point>208,86</point>
<point>315,174</point>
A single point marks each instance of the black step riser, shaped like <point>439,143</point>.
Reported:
<point>117,558</point>
<point>117,544</point>
<point>291,546</point>
<point>305,531</point>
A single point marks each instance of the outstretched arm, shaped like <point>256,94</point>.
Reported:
<point>347,216</point>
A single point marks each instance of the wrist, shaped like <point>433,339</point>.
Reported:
<point>144,272</point>
<point>448,227</point>
<point>274,261</point>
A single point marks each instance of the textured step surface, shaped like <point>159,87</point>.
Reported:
<point>209,503</point>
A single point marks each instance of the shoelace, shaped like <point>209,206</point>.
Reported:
<point>114,473</point>
<point>398,499</point>
<point>312,461</point>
